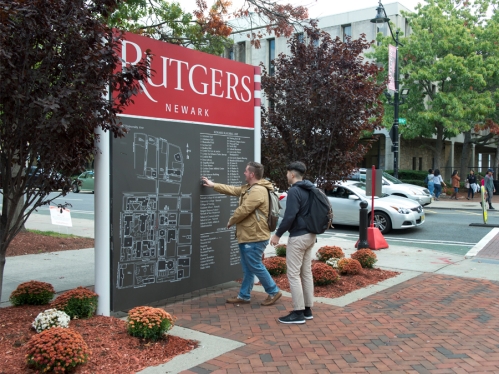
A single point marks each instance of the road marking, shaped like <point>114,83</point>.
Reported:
<point>71,210</point>
<point>417,241</point>
<point>455,212</point>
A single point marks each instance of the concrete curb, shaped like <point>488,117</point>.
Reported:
<point>482,243</point>
<point>209,347</point>
<point>360,293</point>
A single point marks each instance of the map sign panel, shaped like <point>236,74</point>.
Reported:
<point>169,234</point>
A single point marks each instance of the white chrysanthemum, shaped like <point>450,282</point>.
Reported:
<point>50,318</point>
<point>333,262</point>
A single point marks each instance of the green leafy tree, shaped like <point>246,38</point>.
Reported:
<point>443,65</point>
<point>322,98</point>
<point>57,60</point>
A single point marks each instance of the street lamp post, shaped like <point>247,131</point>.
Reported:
<point>381,17</point>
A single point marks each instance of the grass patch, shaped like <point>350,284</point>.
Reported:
<point>53,234</point>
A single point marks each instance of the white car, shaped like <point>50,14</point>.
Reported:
<point>394,186</point>
<point>390,212</point>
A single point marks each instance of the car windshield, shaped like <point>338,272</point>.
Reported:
<point>392,179</point>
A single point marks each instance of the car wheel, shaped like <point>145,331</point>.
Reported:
<point>75,188</point>
<point>382,222</point>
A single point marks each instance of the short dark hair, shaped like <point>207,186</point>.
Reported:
<point>430,171</point>
<point>298,167</point>
<point>256,168</point>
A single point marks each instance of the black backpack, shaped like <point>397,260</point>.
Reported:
<point>319,217</point>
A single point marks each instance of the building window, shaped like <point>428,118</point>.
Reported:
<point>420,163</point>
<point>414,163</point>
<point>271,56</point>
<point>241,52</point>
<point>300,37</point>
<point>347,32</point>
<point>230,53</point>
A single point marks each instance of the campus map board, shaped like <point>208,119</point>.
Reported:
<point>169,234</point>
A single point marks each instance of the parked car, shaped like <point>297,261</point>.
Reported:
<point>394,186</point>
<point>390,211</point>
<point>84,182</point>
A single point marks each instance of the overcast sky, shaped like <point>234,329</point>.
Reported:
<point>319,8</point>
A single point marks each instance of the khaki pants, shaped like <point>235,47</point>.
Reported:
<point>299,263</point>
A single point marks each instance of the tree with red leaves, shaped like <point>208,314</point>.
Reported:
<point>322,98</point>
<point>209,28</point>
<point>57,62</point>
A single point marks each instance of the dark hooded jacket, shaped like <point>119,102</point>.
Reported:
<point>296,208</point>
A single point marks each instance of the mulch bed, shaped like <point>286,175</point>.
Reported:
<point>29,243</point>
<point>113,350</point>
<point>346,283</point>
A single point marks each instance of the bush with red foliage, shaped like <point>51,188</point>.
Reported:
<point>57,349</point>
<point>366,257</point>
<point>323,274</point>
<point>329,251</point>
<point>349,266</point>
<point>275,265</point>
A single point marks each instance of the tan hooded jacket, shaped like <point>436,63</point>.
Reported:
<point>250,217</point>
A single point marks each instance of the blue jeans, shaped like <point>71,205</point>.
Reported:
<point>251,261</point>
<point>438,190</point>
<point>431,187</point>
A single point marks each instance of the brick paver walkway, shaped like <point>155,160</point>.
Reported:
<point>491,250</point>
<point>430,324</point>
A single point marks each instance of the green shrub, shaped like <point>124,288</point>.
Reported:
<point>57,349</point>
<point>275,265</point>
<point>323,274</point>
<point>280,250</point>
<point>366,257</point>
<point>329,251</point>
<point>32,293</point>
<point>149,323</point>
<point>404,175</point>
<point>77,303</point>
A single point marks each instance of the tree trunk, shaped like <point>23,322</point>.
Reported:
<point>465,155</point>
<point>439,145</point>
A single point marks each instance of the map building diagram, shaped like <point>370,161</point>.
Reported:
<point>155,226</point>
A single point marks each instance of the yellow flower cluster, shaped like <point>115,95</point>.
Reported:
<point>149,322</point>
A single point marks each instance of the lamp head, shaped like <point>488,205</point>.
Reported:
<point>380,15</point>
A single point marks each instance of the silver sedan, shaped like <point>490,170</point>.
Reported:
<point>390,212</point>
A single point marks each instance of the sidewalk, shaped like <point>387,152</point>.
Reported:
<point>438,316</point>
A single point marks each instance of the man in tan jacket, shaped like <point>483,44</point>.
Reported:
<point>252,231</point>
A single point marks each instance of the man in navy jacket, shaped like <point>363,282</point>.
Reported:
<point>300,244</point>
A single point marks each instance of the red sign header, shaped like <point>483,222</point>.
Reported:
<point>189,85</point>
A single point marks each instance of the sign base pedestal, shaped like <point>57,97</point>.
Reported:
<point>375,239</point>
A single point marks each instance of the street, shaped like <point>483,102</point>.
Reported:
<point>446,230</point>
<point>82,204</point>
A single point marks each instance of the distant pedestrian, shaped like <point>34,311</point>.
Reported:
<point>455,184</point>
<point>429,181</point>
<point>489,186</point>
<point>472,184</point>
<point>438,181</point>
